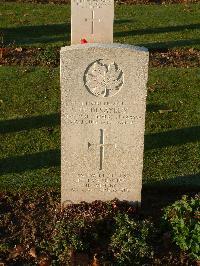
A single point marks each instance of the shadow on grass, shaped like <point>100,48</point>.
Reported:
<point>170,44</point>
<point>52,157</point>
<point>125,20</point>
<point>37,34</point>
<point>28,123</point>
<point>163,45</point>
<point>156,107</point>
<point>158,195</point>
<point>51,33</point>
<point>157,30</point>
<point>17,164</point>
<point>172,137</point>
<point>180,182</point>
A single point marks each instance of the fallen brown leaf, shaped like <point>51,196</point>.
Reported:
<point>16,251</point>
<point>44,260</point>
<point>3,52</point>
<point>32,252</point>
<point>95,261</point>
<point>32,206</point>
<point>198,262</point>
<point>18,49</point>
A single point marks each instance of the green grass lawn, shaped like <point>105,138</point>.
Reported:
<point>172,141</point>
<point>30,127</point>
<point>154,26</point>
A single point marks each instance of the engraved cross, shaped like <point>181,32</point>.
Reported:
<point>93,19</point>
<point>101,146</point>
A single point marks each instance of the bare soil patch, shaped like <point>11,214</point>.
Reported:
<point>51,57</point>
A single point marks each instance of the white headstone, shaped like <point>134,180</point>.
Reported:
<point>103,120</point>
<point>92,20</point>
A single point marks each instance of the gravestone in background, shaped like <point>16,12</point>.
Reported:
<point>92,20</point>
<point>103,120</point>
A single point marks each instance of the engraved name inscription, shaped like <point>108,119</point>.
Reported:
<point>101,113</point>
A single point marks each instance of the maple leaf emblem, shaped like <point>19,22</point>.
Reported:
<point>104,80</point>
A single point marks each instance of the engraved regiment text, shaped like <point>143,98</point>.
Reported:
<point>101,182</point>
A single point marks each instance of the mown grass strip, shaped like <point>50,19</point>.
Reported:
<point>153,26</point>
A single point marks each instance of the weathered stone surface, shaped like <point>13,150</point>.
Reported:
<point>92,20</point>
<point>103,120</point>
